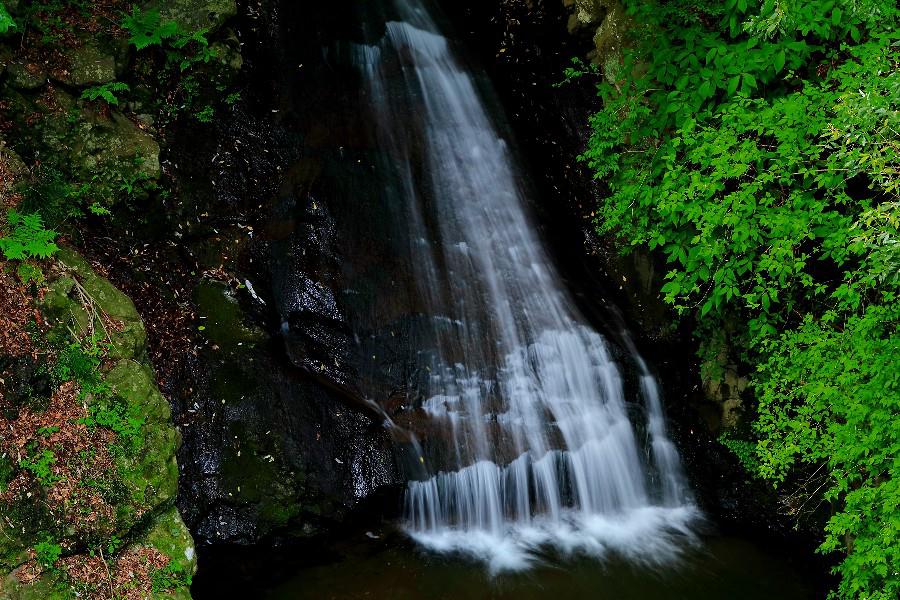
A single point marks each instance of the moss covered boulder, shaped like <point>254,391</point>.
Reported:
<point>103,148</point>
<point>23,76</point>
<point>82,300</point>
<point>90,65</point>
<point>194,15</point>
<point>114,142</point>
<point>109,475</point>
<point>150,473</point>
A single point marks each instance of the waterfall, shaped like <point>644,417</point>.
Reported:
<point>538,448</point>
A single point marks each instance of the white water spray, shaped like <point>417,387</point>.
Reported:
<point>539,448</point>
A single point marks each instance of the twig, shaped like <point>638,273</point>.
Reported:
<point>112,593</point>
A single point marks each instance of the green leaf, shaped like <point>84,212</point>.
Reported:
<point>779,60</point>
<point>733,84</point>
<point>748,83</point>
<point>6,21</point>
<point>28,238</point>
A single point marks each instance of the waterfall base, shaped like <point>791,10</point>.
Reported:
<point>649,536</point>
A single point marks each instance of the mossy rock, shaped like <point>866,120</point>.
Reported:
<point>114,144</point>
<point>170,535</point>
<point>193,15</point>
<point>105,148</point>
<point>62,302</point>
<point>252,474</point>
<point>589,11</point>
<point>25,77</point>
<point>12,163</point>
<point>25,518</point>
<point>223,321</point>
<point>150,471</point>
<point>90,66</point>
<point>48,587</point>
<point>610,38</point>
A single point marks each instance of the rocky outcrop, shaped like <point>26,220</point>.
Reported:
<point>277,446</point>
<point>140,482</point>
<point>609,23</point>
<point>105,148</point>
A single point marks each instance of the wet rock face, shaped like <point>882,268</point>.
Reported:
<point>279,441</point>
<point>277,445</point>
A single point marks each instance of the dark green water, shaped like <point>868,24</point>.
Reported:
<point>724,569</point>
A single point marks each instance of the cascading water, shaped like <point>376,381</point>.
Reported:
<point>538,448</point>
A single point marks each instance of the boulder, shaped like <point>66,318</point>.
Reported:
<point>90,66</point>
<point>114,143</point>
<point>63,302</point>
<point>143,473</point>
<point>24,76</point>
<point>193,15</point>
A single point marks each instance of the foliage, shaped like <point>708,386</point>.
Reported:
<point>61,195</point>
<point>47,552</point>
<point>146,28</point>
<point>28,238</point>
<point>744,451</point>
<point>831,394</point>
<point>178,54</point>
<point>41,465</point>
<point>756,147</point>
<point>105,92</point>
<point>6,472</point>
<point>28,273</point>
<point>114,414</point>
<point>7,23</point>
<point>205,115</point>
<point>171,577</point>
<point>80,362</point>
<point>184,48</point>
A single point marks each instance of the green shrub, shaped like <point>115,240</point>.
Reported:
<point>205,115</point>
<point>171,577</point>
<point>81,362</point>
<point>113,413</point>
<point>7,23</point>
<point>47,552</point>
<point>41,466</point>
<point>755,147</point>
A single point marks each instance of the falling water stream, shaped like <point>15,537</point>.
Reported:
<point>541,450</point>
<point>537,453</point>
